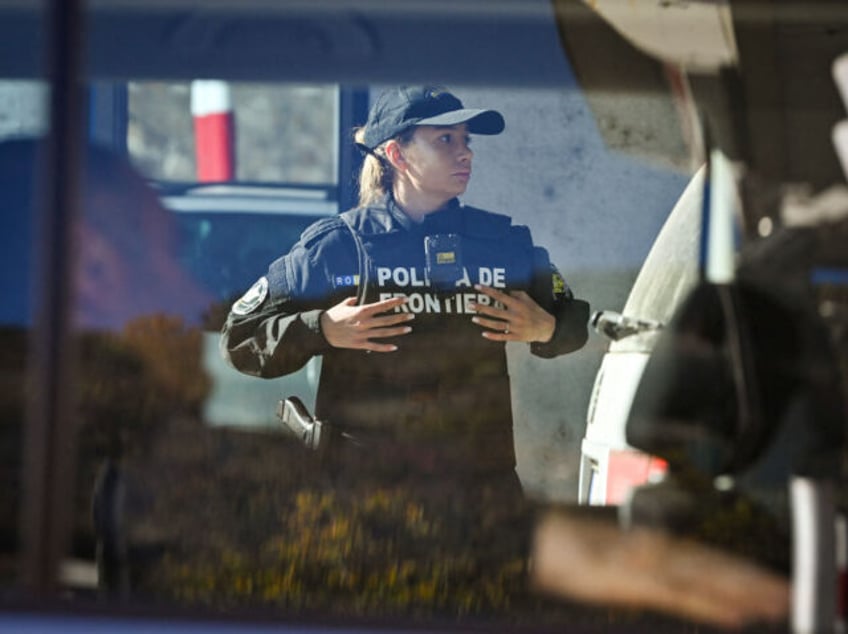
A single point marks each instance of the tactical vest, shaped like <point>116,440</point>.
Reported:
<point>446,386</point>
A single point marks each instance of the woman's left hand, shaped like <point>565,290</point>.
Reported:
<point>518,318</point>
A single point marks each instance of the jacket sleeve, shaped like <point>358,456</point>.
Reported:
<point>274,329</point>
<point>554,295</point>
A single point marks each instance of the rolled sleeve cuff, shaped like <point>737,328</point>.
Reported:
<point>312,320</point>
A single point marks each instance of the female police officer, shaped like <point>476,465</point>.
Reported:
<point>431,288</point>
<point>410,298</point>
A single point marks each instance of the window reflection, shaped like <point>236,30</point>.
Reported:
<point>17,166</point>
<point>128,263</point>
<point>135,315</point>
<point>186,493</point>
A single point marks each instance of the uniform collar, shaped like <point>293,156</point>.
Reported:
<point>446,218</point>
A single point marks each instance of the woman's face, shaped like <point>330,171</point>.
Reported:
<point>438,160</point>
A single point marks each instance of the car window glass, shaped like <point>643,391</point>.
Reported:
<point>186,492</point>
<point>254,522</point>
<point>23,104</point>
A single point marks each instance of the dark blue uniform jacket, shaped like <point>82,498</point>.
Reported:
<point>442,400</point>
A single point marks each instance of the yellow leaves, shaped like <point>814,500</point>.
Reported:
<point>375,552</point>
<point>173,355</point>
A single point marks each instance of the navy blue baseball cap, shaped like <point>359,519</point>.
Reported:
<point>400,108</point>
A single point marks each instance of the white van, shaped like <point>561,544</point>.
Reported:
<point>609,467</point>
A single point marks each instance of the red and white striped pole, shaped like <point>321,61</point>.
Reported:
<point>214,130</point>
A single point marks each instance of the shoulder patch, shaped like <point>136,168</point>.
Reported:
<point>559,288</point>
<point>253,298</point>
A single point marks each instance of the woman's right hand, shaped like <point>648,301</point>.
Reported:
<point>347,325</point>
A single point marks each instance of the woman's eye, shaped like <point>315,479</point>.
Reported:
<point>450,138</point>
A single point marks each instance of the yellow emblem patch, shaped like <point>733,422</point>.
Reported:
<point>445,257</point>
<point>557,283</point>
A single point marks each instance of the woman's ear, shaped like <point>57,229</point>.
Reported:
<point>394,154</point>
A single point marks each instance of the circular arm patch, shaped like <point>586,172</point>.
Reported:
<point>253,298</point>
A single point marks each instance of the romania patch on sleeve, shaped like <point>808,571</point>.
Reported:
<point>253,298</point>
<point>346,281</point>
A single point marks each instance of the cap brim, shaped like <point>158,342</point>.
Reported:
<point>479,121</point>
